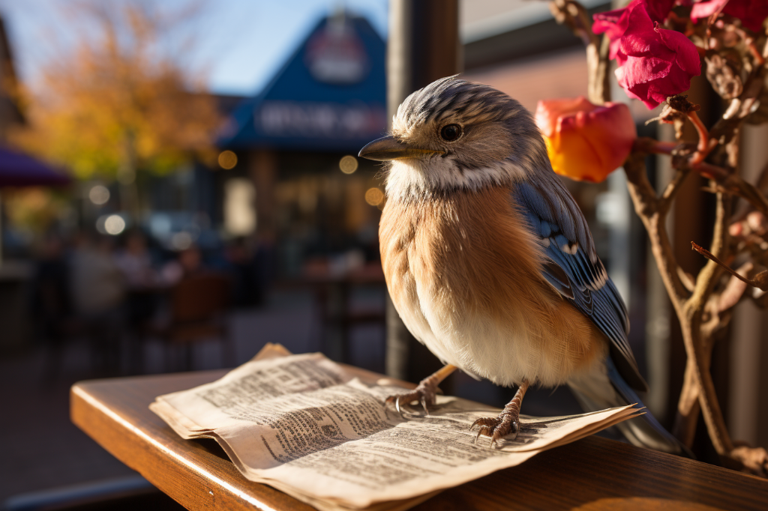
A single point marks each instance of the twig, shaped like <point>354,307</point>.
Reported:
<point>730,182</point>
<point>749,42</point>
<point>734,184</point>
<point>740,107</point>
<point>760,281</point>
<point>691,325</point>
<point>733,292</point>
<point>653,146</point>
<point>575,16</point>
<point>654,216</point>
<point>702,148</point>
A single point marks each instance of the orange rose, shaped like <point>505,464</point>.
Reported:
<point>586,142</point>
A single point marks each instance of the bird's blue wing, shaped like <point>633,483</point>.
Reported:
<point>573,267</point>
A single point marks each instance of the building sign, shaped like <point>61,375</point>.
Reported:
<point>336,55</point>
<point>329,96</point>
<point>326,120</point>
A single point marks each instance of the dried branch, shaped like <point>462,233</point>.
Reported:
<point>734,184</point>
<point>702,312</point>
<point>703,148</point>
<point>653,213</point>
<point>727,181</point>
<point>739,108</point>
<point>754,459</point>
<point>698,358</point>
<point>734,291</point>
<point>575,16</point>
<point>760,281</point>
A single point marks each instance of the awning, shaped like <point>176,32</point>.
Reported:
<point>329,96</point>
<point>19,169</point>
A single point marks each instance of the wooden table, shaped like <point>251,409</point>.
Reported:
<point>592,474</point>
<point>332,293</point>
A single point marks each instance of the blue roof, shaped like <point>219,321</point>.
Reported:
<point>329,96</point>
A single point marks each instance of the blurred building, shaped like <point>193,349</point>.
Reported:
<point>10,113</point>
<point>12,276</point>
<point>289,168</point>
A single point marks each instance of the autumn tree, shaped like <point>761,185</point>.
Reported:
<point>121,102</point>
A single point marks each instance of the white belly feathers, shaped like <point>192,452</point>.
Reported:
<point>474,295</point>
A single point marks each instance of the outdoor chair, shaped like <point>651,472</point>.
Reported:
<point>198,305</point>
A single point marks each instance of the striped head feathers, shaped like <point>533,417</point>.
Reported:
<point>455,135</point>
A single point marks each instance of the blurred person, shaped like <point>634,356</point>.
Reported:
<point>51,306</point>
<point>188,262</point>
<point>135,262</point>
<point>265,260</point>
<point>98,292</point>
<point>98,284</point>
<point>242,264</point>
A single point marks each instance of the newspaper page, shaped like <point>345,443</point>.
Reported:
<point>306,426</point>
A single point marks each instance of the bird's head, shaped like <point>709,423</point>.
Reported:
<point>455,135</point>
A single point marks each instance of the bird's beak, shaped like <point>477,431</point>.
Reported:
<point>388,148</point>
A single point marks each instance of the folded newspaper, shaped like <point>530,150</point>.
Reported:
<point>320,433</point>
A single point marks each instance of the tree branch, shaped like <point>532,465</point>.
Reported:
<point>760,281</point>
<point>576,17</point>
<point>698,357</point>
<point>653,214</point>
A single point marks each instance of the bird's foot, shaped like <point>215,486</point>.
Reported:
<point>425,393</point>
<point>508,422</point>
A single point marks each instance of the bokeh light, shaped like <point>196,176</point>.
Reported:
<point>374,196</point>
<point>227,159</point>
<point>99,195</point>
<point>348,164</point>
<point>181,240</point>
<point>114,225</point>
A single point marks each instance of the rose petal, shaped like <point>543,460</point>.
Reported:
<point>705,9</point>
<point>687,56</point>
<point>752,13</point>
<point>588,142</point>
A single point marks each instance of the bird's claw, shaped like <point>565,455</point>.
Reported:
<point>497,427</point>
<point>422,401</point>
<point>425,393</point>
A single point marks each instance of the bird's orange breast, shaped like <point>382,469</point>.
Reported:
<point>463,271</point>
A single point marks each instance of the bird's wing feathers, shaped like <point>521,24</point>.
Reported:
<point>573,267</point>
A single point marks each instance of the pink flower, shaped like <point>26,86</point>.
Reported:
<point>750,12</point>
<point>657,62</point>
<point>615,23</point>
<point>653,62</point>
<point>586,142</point>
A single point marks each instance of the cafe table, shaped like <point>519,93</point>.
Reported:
<point>590,474</point>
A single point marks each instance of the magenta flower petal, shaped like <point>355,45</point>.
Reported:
<point>610,22</point>
<point>654,63</point>
<point>705,9</point>
<point>687,56</point>
<point>752,13</point>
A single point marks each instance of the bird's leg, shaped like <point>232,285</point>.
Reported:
<point>508,421</point>
<point>425,392</point>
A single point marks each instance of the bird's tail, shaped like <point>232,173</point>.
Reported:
<point>605,389</point>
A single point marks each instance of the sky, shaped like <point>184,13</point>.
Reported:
<point>237,44</point>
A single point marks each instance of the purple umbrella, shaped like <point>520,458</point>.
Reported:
<point>19,169</point>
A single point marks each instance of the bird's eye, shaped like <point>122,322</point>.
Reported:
<point>451,132</point>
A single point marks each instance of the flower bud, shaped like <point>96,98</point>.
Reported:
<point>586,142</point>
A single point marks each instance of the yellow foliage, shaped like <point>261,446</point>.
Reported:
<point>34,209</point>
<point>118,99</point>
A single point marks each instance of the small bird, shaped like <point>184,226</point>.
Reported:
<point>490,262</point>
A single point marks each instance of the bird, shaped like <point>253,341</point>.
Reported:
<point>490,262</point>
